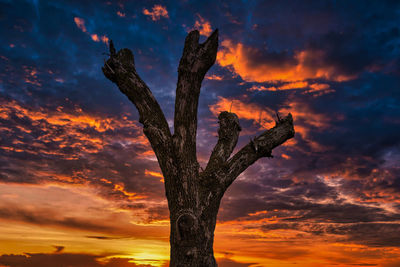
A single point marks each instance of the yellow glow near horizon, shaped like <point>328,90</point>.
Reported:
<point>41,217</point>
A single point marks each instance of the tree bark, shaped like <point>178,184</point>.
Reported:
<point>193,196</point>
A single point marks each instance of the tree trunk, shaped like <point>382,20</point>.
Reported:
<point>193,196</point>
<point>193,215</point>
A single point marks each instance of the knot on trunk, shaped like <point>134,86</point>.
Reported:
<point>186,226</point>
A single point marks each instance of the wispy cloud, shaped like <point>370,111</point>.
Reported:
<point>203,26</point>
<point>157,12</point>
<point>80,23</point>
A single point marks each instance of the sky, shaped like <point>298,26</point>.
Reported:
<point>80,185</point>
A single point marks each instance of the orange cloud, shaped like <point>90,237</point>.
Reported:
<point>319,86</point>
<point>306,119</point>
<point>80,23</point>
<point>31,75</point>
<point>33,216</point>
<point>248,111</point>
<point>303,112</point>
<point>121,14</point>
<point>306,122</point>
<point>104,39</point>
<point>203,26</point>
<point>248,62</point>
<point>247,243</point>
<point>155,174</point>
<point>293,85</point>
<point>158,11</point>
<point>95,37</point>
<point>287,86</point>
<point>73,122</point>
<point>317,89</point>
<point>130,195</point>
<point>214,77</point>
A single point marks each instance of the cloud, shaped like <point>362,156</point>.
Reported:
<point>203,26</point>
<point>254,65</point>
<point>121,14</point>
<point>80,23</point>
<point>300,204</point>
<point>371,234</point>
<point>317,89</point>
<point>248,111</point>
<point>307,120</point>
<point>59,249</point>
<point>214,77</point>
<point>154,174</point>
<point>224,262</point>
<point>49,260</point>
<point>31,76</point>
<point>80,211</point>
<point>56,123</point>
<point>104,39</point>
<point>157,12</point>
<point>40,218</point>
<point>64,260</point>
<point>343,213</point>
<point>374,184</point>
<point>101,237</point>
<point>95,37</point>
<point>72,146</point>
<point>287,86</point>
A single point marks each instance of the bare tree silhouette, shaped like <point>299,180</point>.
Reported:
<point>193,194</point>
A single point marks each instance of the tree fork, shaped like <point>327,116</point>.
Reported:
<point>193,196</point>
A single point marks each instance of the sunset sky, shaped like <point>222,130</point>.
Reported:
<point>80,185</point>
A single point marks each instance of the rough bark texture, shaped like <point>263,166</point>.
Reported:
<point>193,196</point>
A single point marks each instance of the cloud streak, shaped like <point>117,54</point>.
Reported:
<point>157,12</point>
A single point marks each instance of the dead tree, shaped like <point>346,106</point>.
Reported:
<point>193,194</point>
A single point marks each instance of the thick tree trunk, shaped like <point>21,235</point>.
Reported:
<point>193,218</point>
<point>193,196</point>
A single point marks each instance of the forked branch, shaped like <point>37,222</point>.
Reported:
<point>259,147</point>
<point>196,60</point>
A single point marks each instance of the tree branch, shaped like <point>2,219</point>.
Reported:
<point>228,134</point>
<point>260,146</point>
<point>195,62</point>
<point>120,69</point>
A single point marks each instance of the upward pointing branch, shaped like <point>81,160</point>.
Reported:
<point>194,64</point>
<point>120,69</point>
<point>228,134</point>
